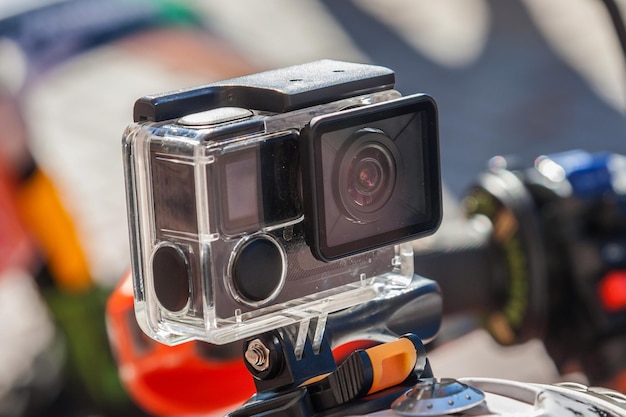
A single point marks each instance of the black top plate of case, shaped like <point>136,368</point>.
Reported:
<point>276,91</point>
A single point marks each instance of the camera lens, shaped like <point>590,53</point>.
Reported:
<point>367,174</point>
<point>368,177</point>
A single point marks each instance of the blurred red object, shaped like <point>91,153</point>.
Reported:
<point>189,379</point>
<point>192,378</point>
<point>16,246</point>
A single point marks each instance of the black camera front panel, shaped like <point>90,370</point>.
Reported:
<point>372,177</point>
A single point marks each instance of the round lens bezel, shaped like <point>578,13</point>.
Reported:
<point>236,291</point>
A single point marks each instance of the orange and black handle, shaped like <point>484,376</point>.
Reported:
<point>370,371</point>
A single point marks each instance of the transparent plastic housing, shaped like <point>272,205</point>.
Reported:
<point>219,251</point>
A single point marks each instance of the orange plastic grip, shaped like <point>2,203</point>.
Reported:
<point>392,363</point>
<point>42,211</point>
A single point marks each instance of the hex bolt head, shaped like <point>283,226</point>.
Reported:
<point>258,355</point>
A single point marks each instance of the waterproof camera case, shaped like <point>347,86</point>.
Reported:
<point>276,199</point>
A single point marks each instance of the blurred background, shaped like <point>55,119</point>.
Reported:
<point>518,78</point>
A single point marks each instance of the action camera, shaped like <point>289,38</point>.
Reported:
<point>276,198</point>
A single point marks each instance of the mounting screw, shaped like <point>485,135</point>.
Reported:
<point>258,355</point>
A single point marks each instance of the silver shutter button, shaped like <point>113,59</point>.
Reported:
<point>215,117</point>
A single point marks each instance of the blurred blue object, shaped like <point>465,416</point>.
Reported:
<point>53,33</point>
<point>591,175</point>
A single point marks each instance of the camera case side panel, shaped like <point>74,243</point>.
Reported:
<point>165,238</point>
<point>133,192</point>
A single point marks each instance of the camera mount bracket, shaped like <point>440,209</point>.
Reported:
<point>314,385</point>
<point>311,383</point>
<point>276,91</point>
